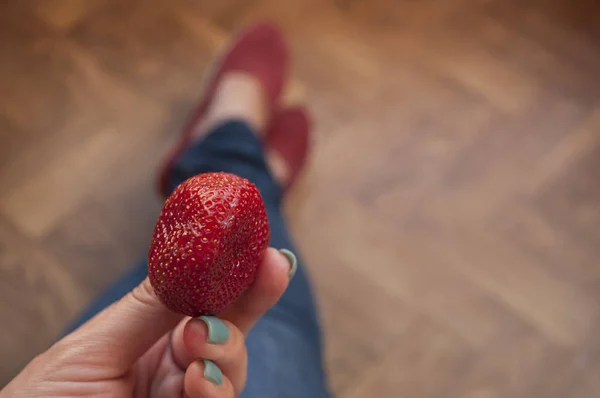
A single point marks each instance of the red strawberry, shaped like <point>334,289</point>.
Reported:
<point>208,242</point>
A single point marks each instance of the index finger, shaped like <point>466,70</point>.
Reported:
<point>272,279</point>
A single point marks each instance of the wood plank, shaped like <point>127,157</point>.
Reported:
<point>357,318</point>
<point>425,361</point>
<point>103,129</point>
<point>148,47</point>
<point>64,14</point>
<point>514,367</point>
<point>563,312</point>
<point>406,268</point>
<point>92,241</point>
<point>37,298</point>
<point>30,69</point>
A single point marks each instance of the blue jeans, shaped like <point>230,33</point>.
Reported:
<point>284,347</point>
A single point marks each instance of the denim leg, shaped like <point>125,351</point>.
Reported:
<point>284,347</point>
<point>118,289</point>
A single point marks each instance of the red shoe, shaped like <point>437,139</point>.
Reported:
<point>260,51</point>
<point>289,135</point>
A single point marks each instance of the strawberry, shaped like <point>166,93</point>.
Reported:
<point>207,244</point>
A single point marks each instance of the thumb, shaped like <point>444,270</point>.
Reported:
<point>120,334</point>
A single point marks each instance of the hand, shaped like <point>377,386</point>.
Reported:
<point>137,347</point>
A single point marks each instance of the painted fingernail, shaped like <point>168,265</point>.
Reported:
<point>291,257</point>
<point>212,372</point>
<point>218,332</point>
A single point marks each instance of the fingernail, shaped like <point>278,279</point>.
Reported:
<point>218,332</point>
<point>212,372</point>
<point>291,257</point>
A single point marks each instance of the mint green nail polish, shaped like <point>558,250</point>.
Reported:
<point>291,257</point>
<point>218,332</point>
<point>212,372</point>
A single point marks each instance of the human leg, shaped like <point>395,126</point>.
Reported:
<point>284,348</point>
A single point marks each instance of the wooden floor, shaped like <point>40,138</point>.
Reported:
<point>451,216</point>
